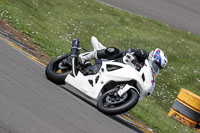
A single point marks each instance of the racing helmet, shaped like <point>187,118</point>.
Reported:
<point>158,57</point>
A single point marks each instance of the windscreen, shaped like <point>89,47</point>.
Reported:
<point>155,69</point>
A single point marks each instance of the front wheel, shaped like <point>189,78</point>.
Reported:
<point>111,104</point>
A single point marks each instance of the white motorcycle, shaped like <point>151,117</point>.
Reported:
<point>116,86</point>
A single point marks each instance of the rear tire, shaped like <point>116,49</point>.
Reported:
<point>52,68</point>
<point>129,102</point>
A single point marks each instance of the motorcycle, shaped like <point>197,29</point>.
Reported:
<point>116,86</point>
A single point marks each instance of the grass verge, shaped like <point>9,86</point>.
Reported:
<point>52,24</point>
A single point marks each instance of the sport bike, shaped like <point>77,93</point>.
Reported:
<point>116,86</point>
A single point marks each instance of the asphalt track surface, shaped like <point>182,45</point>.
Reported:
<point>29,103</point>
<point>183,14</point>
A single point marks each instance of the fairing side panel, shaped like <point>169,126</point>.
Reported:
<point>125,73</point>
<point>81,83</point>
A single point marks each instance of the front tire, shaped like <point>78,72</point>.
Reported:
<point>130,99</point>
<point>52,68</point>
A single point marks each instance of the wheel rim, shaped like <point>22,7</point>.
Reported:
<point>112,99</point>
<point>61,66</point>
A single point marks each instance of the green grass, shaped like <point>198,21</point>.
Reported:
<point>52,24</point>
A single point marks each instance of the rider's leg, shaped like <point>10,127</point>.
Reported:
<point>84,57</point>
<point>108,53</point>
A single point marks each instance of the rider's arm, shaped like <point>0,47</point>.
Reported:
<point>141,54</point>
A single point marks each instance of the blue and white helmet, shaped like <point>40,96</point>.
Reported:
<point>158,57</point>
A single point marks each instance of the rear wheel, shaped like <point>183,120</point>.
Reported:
<point>112,104</point>
<point>58,68</point>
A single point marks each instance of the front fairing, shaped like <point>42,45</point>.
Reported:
<point>125,73</point>
<point>148,82</point>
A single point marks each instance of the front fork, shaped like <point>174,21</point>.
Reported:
<point>125,89</point>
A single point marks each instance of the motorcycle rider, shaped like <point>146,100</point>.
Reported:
<point>134,56</point>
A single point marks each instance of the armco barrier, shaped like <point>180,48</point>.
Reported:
<point>186,108</point>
